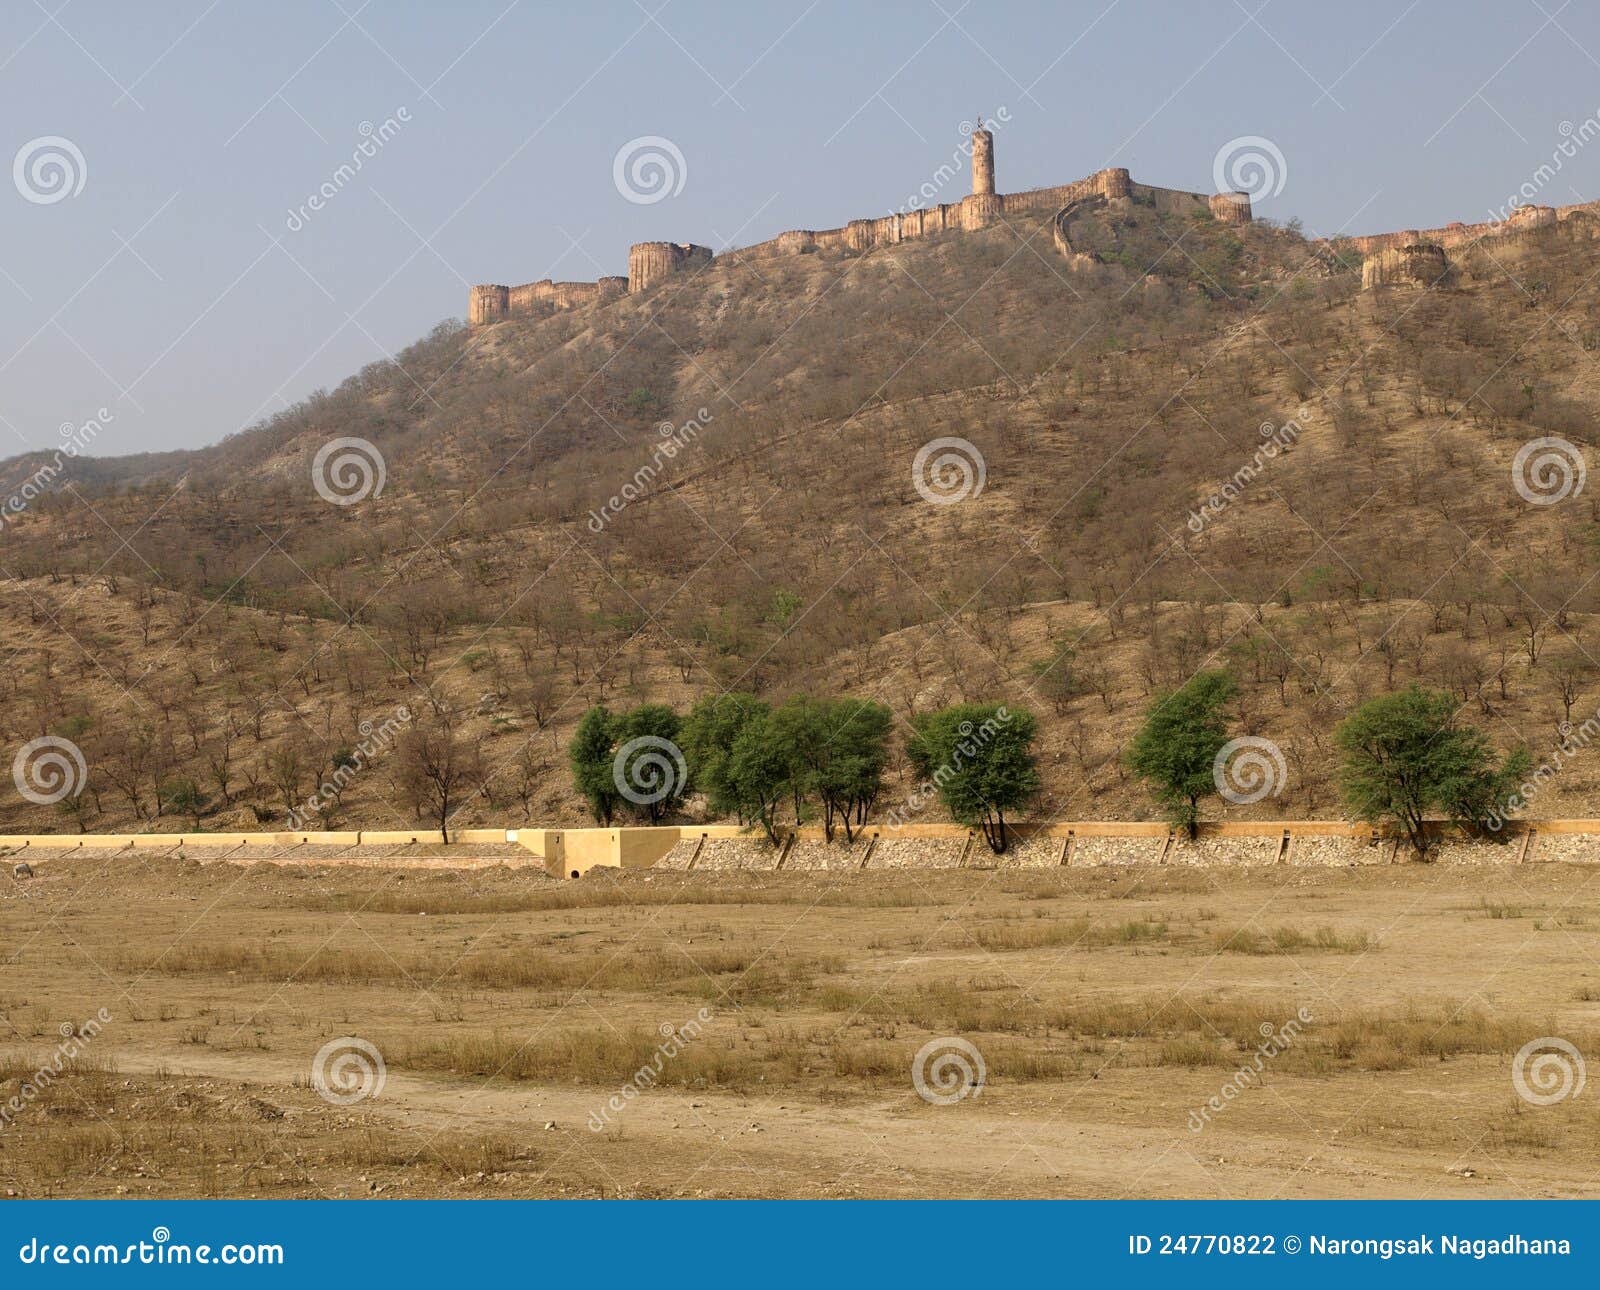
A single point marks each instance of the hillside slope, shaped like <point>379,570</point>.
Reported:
<point>169,615</point>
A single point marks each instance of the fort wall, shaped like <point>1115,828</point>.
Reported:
<point>1404,257</point>
<point>1419,264</point>
<point>1525,219</point>
<point>650,263</point>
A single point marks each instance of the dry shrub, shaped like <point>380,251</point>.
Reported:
<point>595,1055</point>
<point>1290,940</point>
<point>645,969</point>
<point>1079,933</point>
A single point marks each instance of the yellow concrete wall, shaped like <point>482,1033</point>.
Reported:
<point>567,852</point>
<point>584,849</point>
<point>642,847</point>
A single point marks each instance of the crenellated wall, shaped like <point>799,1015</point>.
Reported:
<point>493,302</point>
<point>1415,257</point>
<point>650,263</point>
<point>1524,219</point>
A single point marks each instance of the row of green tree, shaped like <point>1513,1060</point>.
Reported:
<point>1406,758</point>
<point>809,758</point>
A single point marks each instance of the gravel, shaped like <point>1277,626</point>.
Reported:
<point>918,853</point>
<point>809,856</point>
<point>1035,853</point>
<point>1100,851</point>
<point>1218,853</point>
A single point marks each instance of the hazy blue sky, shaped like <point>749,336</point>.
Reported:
<point>170,290</point>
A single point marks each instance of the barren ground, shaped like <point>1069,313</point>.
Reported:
<point>1107,1006</point>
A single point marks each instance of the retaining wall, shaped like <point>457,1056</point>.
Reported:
<point>720,847</point>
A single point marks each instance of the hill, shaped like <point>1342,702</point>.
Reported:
<point>714,484</point>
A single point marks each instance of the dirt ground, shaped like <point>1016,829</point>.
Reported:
<point>759,1034</point>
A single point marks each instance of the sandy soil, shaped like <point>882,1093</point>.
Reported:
<point>509,1009</point>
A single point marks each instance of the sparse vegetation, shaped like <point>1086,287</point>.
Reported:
<point>510,1009</point>
<point>1384,547</point>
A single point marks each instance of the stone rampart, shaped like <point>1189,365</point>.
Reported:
<point>650,263</point>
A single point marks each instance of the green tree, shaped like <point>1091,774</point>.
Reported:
<point>848,765</point>
<point>980,759</point>
<point>837,751</point>
<point>797,730</point>
<point>648,768</point>
<point>1406,754</point>
<point>708,736</point>
<point>184,796</point>
<point>589,754</point>
<point>757,772</point>
<point>1176,748</point>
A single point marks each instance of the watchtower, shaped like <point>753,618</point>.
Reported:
<point>982,160</point>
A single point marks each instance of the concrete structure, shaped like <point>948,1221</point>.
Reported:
<point>650,263</point>
<point>571,853</point>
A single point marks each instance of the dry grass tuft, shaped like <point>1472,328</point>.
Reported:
<point>1290,940</point>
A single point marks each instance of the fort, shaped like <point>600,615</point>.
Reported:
<point>1407,258</point>
<point>652,262</point>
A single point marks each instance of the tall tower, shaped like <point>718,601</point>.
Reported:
<point>982,160</point>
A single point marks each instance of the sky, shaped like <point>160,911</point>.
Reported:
<point>164,271</point>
